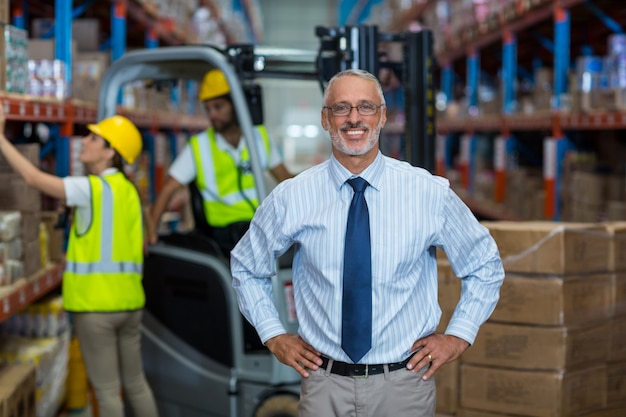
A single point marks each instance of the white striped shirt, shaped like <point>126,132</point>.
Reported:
<point>411,213</point>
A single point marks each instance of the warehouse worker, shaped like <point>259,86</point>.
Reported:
<point>218,161</point>
<point>365,229</point>
<point>102,280</point>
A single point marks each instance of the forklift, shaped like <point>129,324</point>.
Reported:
<point>201,356</point>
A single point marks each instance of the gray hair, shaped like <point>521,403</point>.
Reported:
<point>356,73</point>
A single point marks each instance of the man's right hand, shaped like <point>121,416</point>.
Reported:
<point>291,350</point>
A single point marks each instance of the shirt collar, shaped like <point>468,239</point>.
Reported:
<point>108,171</point>
<point>372,174</point>
<point>224,145</point>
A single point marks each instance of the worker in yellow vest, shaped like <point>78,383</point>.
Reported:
<point>219,163</point>
<point>102,281</point>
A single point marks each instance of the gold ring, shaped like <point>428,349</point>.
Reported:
<point>430,357</point>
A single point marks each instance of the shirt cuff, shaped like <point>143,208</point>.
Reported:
<point>270,328</point>
<point>462,328</point>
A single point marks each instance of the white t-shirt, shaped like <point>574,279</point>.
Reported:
<point>183,169</point>
<point>78,194</point>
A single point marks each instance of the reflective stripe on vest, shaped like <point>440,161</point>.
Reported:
<point>218,178</point>
<point>103,268</point>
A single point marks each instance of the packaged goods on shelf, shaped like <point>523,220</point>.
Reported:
<point>14,71</point>
<point>16,194</point>
<point>43,318</point>
<point>13,269</point>
<point>11,249</point>
<point>10,222</point>
<point>55,235</point>
<point>524,194</point>
<point>31,259</point>
<point>88,70</point>
<point>615,210</point>
<point>588,84</point>
<point>46,78</point>
<point>49,358</point>
<point>85,32</point>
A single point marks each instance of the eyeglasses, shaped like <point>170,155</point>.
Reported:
<point>364,109</point>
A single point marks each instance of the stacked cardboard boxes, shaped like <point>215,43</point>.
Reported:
<point>553,347</point>
<point>18,196</point>
<point>447,377</point>
<point>17,390</point>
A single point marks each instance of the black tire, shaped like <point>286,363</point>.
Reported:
<point>281,405</point>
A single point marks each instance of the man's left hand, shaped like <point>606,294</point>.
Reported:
<point>436,350</point>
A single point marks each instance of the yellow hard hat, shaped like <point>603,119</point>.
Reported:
<point>122,135</point>
<point>214,84</point>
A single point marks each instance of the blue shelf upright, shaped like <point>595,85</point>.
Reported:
<point>63,52</point>
<point>556,147</point>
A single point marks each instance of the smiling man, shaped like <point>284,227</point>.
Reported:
<point>365,227</point>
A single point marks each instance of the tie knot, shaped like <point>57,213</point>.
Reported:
<point>358,184</point>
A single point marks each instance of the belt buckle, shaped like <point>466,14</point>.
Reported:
<point>365,375</point>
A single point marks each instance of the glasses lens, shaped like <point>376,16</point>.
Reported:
<point>367,109</point>
<point>340,109</point>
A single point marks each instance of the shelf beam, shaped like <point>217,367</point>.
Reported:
<point>19,295</point>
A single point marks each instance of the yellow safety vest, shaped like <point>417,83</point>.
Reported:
<point>222,182</point>
<point>103,268</point>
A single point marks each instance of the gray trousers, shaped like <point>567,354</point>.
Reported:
<point>400,393</point>
<point>111,347</point>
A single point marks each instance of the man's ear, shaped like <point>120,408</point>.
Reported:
<point>325,124</point>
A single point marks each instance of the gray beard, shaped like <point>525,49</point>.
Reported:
<point>372,140</point>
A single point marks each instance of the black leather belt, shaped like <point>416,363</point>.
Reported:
<point>357,370</point>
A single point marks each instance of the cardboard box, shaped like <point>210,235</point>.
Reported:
<point>464,412</point>
<point>609,412</point>
<point>616,384</point>
<point>619,294</point>
<point>56,237</point>
<point>17,195</point>
<point>32,257</point>
<point>539,347</point>
<point>617,339</point>
<point>542,247</point>
<point>44,49</point>
<point>85,32</point>
<point>449,290</point>
<point>533,393</point>
<point>30,151</point>
<point>555,301</point>
<point>5,11</point>
<point>447,382</point>
<point>88,71</point>
<point>30,225</point>
<point>17,390</point>
<point>617,254</point>
<point>9,402</point>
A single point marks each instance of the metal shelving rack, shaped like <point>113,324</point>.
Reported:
<point>503,29</point>
<point>70,113</point>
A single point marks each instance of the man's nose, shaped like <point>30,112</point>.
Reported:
<point>354,114</point>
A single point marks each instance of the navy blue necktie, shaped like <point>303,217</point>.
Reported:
<point>356,337</point>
